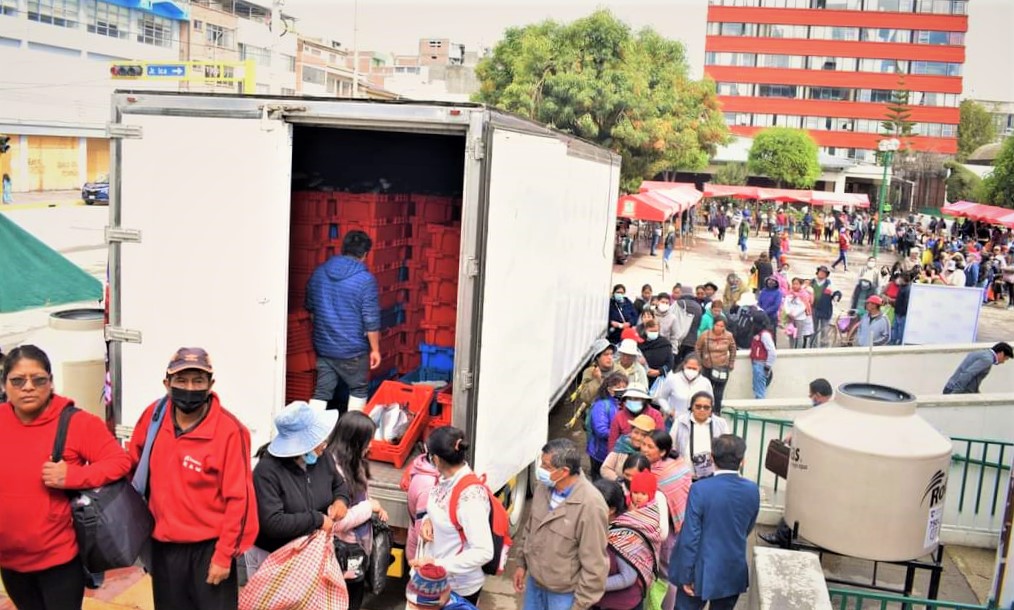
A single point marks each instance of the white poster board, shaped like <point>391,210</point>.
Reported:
<point>942,314</point>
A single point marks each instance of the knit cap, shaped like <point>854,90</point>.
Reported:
<point>644,482</point>
<point>428,586</point>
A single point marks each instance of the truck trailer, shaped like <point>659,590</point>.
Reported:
<point>201,202</point>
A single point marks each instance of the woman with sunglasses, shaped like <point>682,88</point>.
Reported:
<point>694,431</point>
<point>39,559</point>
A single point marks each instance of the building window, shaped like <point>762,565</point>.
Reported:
<point>736,118</point>
<point>263,89</point>
<point>154,30</point>
<point>55,12</point>
<point>313,76</point>
<point>875,96</point>
<point>838,5</point>
<point>942,7</point>
<point>780,61</point>
<point>260,56</point>
<point>788,91</point>
<point>890,6</point>
<point>198,25</point>
<point>436,44</point>
<point>108,20</point>
<point>218,36</point>
<point>928,37</point>
<point>936,68</point>
<point>287,91</point>
<point>833,64</point>
<point>9,7</point>
<point>735,89</point>
<point>734,59</point>
<point>886,35</point>
<point>883,65</point>
<point>289,62</point>
<point>829,93</point>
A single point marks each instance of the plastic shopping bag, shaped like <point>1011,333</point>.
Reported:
<point>302,575</point>
<point>656,593</point>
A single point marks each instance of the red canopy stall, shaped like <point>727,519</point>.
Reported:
<point>787,195</point>
<point>981,212</point>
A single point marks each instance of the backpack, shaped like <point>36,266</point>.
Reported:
<point>499,523</point>
<point>112,523</point>
<point>741,325</point>
<point>682,323</point>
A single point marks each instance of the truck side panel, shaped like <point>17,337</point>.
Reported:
<point>210,197</point>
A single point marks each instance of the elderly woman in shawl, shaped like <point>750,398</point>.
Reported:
<point>633,549</point>
<point>674,476</point>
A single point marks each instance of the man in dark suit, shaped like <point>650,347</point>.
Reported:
<point>709,565</point>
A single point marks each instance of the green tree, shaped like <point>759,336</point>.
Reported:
<point>596,79</point>
<point>962,184</point>
<point>897,123</point>
<point>733,174</point>
<point>975,128</point>
<point>998,187</point>
<point>787,156</point>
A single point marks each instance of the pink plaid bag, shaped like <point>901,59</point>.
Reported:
<point>302,575</point>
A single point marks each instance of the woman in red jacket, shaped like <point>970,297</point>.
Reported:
<point>39,559</point>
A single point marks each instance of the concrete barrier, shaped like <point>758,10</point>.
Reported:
<point>981,427</point>
<point>920,369</point>
<point>787,580</point>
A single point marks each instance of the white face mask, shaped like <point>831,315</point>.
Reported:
<point>691,374</point>
<point>662,307</point>
<point>871,265</point>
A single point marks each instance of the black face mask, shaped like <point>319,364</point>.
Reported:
<point>188,401</point>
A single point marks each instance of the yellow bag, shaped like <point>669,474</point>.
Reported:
<point>754,277</point>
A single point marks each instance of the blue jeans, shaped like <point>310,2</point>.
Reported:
<point>353,371</point>
<point>898,330</point>
<point>537,598</point>
<point>760,380</point>
<point>842,258</point>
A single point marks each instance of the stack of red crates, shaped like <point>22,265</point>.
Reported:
<point>440,244</point>
<point>314,227</point>
<point>301,360</point>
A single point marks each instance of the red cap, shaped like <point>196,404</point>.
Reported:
<point>876,300</point>
<point>630,333</point>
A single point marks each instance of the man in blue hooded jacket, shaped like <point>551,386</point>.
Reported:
<point>342,298</point>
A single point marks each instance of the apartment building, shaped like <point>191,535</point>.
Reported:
<point>831,66</point>
<point>55,83</point>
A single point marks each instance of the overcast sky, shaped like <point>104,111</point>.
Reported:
<point>397,25</point>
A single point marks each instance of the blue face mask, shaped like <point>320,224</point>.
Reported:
<point>619,296</point>
<point>544,476</point>
<point>634,406</point>
<point>652,335</point>
<point>310,457</point>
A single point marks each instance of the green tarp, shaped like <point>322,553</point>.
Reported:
<point>34,275</point>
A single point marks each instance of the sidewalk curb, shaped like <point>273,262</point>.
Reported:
<point>14,207</point>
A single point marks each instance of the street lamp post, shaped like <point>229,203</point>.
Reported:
<point>888,147</point>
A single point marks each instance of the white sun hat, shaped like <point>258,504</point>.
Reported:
<point>301,428</point>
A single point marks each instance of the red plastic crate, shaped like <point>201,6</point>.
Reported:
<point>307,258</point>
<point>440,314</point>
<point>303,234</point>
<point>445,398</point>
<point>299,386</point>
<point>443,239</point>
<point>390,277</point>
<point>368,207</point>
<point>313,206</point>
<point>381,232</point>
<point>387,257</point>
<point>300,362</point>
<point>409,359</point>
<point>439,335</point>
<point>300,332</point>
<point>433,208</point>
<point>441,267</point>
<point>391,297</point>
<point>418,398</point>
<point>441,290</point>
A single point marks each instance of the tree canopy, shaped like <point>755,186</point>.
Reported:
<point>597,79</point>
<point>962,185</point>
<point>974,129</point>
<point>786,155</point>
<point>733,174</point>
<point>998,187</point>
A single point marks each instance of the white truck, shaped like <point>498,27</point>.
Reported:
<point>200,204</point>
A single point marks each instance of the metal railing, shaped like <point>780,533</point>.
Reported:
<point>851,599</point>
<point>977,481</point>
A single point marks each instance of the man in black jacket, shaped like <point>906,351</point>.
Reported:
<point>901,307</point>
<point>689,304</point>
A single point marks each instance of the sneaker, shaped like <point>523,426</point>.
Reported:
<point>773,538</point>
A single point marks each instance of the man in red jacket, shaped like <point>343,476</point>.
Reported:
<point>200,490</point>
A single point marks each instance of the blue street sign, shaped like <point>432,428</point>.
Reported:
<point>170,70</point>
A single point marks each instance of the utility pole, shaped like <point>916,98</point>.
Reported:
<point>355,50</point>
<point>887,148</point>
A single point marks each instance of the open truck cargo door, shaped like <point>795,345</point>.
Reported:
<point>199,232</point>
<point>530,194</point>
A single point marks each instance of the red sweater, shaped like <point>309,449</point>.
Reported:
<point>200,484</point>
<point>36,530</point>
<point>621,423</point>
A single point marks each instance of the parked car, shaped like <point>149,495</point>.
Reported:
<point>96,192</point>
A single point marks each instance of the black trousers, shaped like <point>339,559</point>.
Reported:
<point>179,575</point>
<point>58,588</point>
<point>357,591</point>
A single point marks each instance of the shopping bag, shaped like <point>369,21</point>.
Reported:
<point>302,575</point>
<point>656,594</point>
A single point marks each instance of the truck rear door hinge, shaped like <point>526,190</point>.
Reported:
<point>477,149</point>
<point>466,379</point>
<point>121,235</point>
<point>471,267</point>
<point>119,130</point>
<point>122,335</point>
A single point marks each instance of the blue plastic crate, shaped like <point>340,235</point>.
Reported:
<point>392,316</point>
<point>425,374</point>
<point>437,358</point>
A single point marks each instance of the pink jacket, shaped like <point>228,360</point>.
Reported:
<point>419,478</point>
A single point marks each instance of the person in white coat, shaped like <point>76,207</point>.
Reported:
<point>462,550</point>
<point>673,394</point>
<point>693,432</point>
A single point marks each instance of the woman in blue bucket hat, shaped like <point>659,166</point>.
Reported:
<point>297,491</point>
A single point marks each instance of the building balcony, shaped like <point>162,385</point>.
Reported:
<point>835,48</point>
<point>827,78</point>
<point>833,108</point>
<point>878,19</point>
<point>864,141</point>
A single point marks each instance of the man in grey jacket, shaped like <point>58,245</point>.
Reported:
<point>974,368</point>
<point>563,562</point>
<point>874,326</point>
